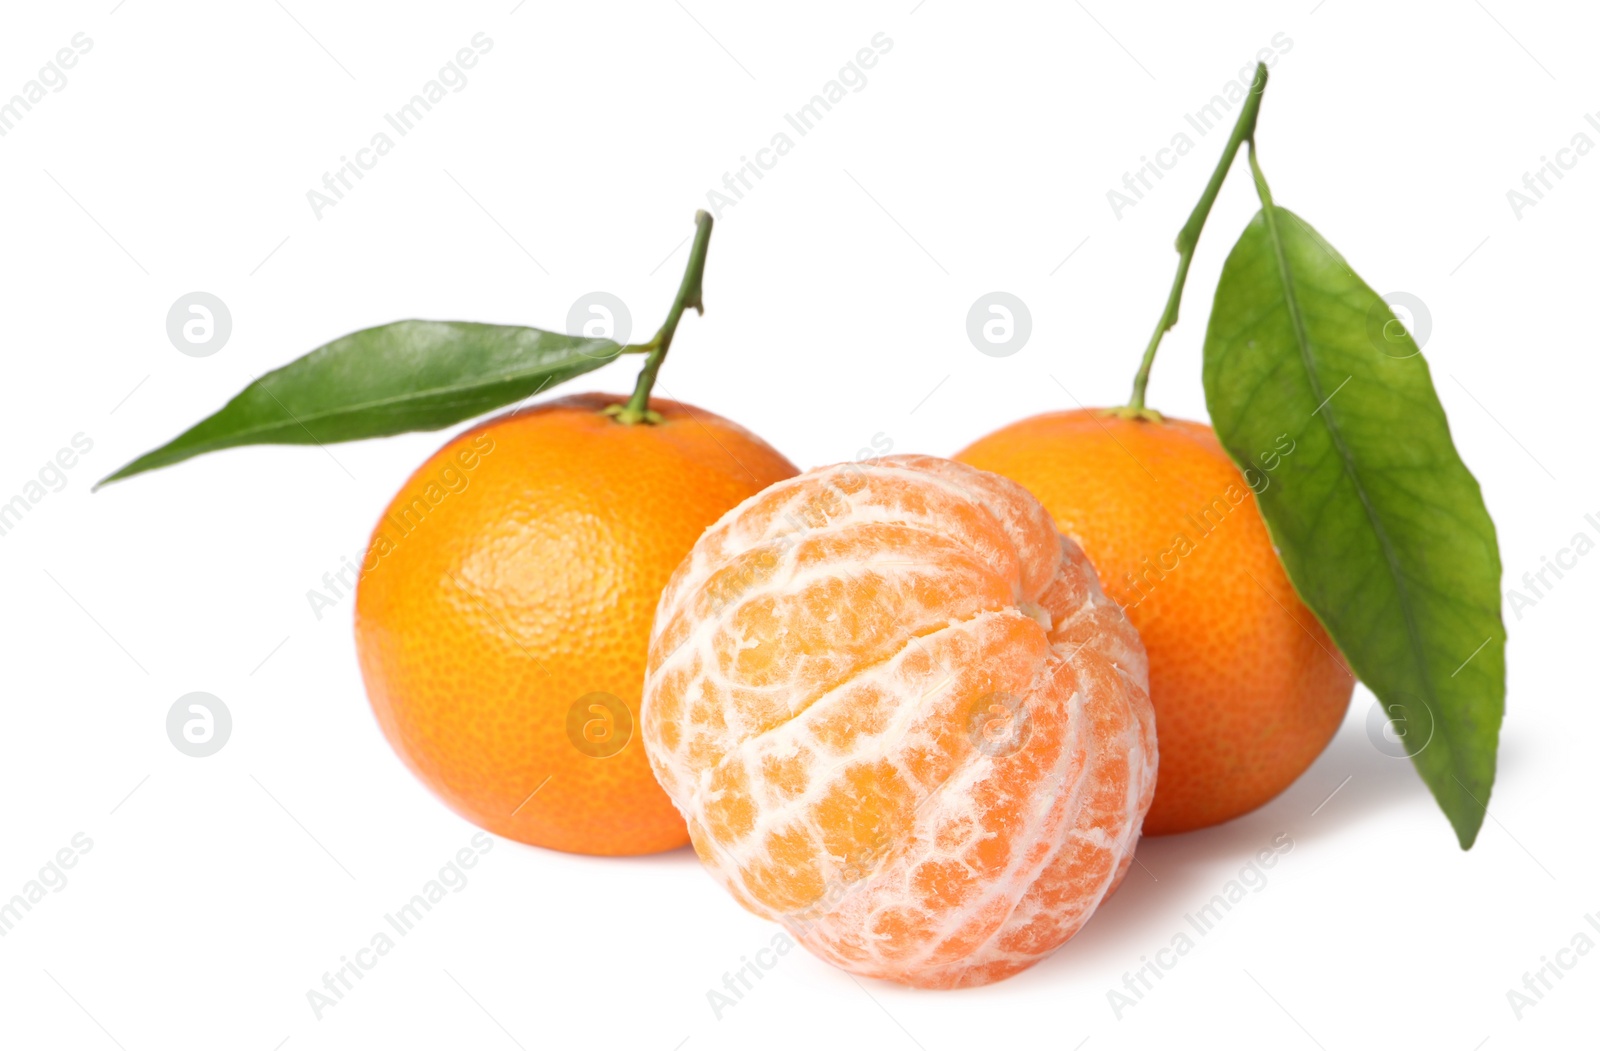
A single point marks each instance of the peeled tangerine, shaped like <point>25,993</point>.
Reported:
<point>902,719</point>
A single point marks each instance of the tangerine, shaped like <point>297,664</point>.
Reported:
<point>1247,686</point>
<point>902,719</point>
<point>503,612</point>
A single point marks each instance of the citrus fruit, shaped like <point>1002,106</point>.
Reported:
<point>503,613</point>
<point>1248,688</point>
<point>902,719</point>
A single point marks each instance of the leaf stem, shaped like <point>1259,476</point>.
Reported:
<point>638,408</point>
<point>1262,191</point>
<point>1244,129</point>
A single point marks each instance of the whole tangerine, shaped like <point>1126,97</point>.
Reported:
<point>1247,686</point>
<point>503,612</point>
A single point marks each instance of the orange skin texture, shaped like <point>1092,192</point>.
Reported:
<point>530,585</point>
<point>1248,688</point>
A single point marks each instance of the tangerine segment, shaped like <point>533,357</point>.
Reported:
<point>902,719</point>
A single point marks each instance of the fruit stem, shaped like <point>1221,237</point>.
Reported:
<point>1244,129</point>
<point>638,408</point>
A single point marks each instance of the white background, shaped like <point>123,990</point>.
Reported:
<point>977,157</point>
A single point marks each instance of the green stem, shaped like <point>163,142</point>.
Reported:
<point>1244,129</point>
<point>1261,180</point>
<point>638,408</point>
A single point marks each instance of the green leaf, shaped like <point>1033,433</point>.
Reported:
<point>404,376</point>
<point>1380,525</point>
